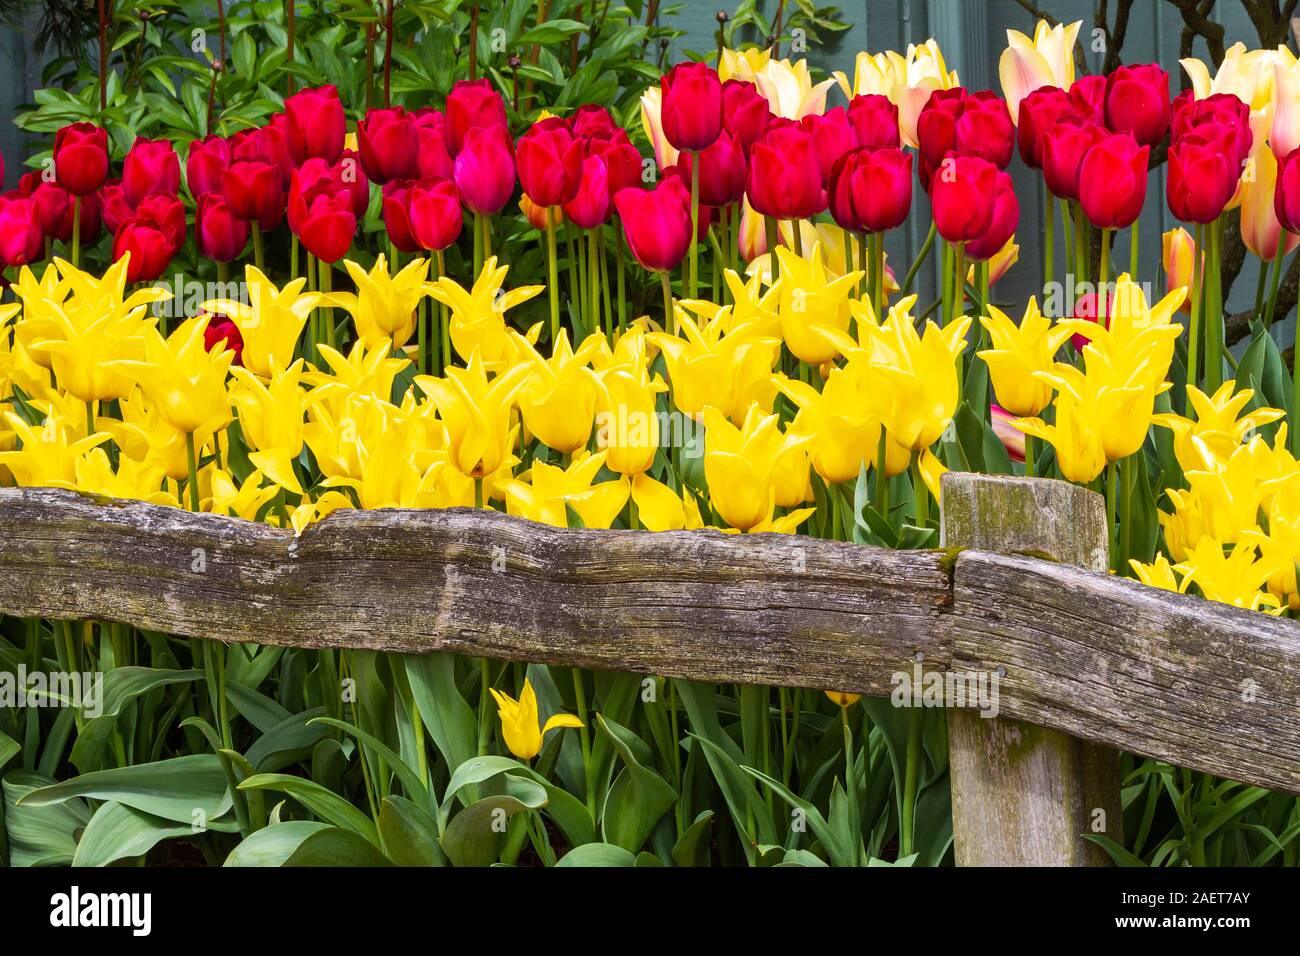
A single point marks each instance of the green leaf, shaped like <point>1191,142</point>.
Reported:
<point>597,854</point>
<point>336,847</point>
<point>326,804</point>
<point>178,788</point>
<point>1118,854</point>
<point>474,836</point>
<point>691,848</point>
<point>448,718</point>
<point>117,831</point>
<point>44,835</point>
<point>408,834</point>
<point>272,845</point>
<point>638,798</point>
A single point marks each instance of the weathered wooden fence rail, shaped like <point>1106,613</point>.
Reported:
<point>1099,658</point>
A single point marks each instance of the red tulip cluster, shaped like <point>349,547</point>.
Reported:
<point>1093,141</point>
<point>1210,140</point>
<point>966,141</point>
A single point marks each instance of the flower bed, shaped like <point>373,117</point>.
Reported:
<point>709,338</point>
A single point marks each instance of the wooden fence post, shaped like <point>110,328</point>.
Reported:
<point>1023,795</point>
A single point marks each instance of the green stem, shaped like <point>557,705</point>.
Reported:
<point>911,773</point>
<point>773,240</point>
<point>851,788</point>
<point>584,736</point>
<point>670,317</point>
<point>622,291</point>
<point>258,259</point>
<point>1194,334</point>
<point>1112,504</point>
<point>695,224</point>
<point>1049,238</point>
<point>1214,311</point>
<point>1127,478</point>
<point>1273,280</point>
<point>76,231</point>
<point>920,493</point>
<point>1031,463</point>
<point>920,258</point>
<point>191,462</point>
<point>1134,245</point>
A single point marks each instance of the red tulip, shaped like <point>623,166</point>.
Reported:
<point>328,226</point>
<point>745,112</point>
<point>220,329</point>
<point>984,128</point>
<point>472,105</point>
<point>1039,112</point>
<point>549,161</point>
<point>151,169</point>
<point>435,214</point>
<point>1002,226</point>
<point>53,202</point>
<point>485,169</point>
<point>1064,146</point>
<point>20,232</point>
<point>353,177</point>
<point>874,120</point>
<point>113,205</point>
<point>657,225</point>
<point>1202,178</point>
<point>592,119</point>
<point>722,171</point>
<point>1088,94</point>
<point>313,178</point>
<point>218,232</point>
<point>1113,181</point>
<point>206,159</point>
<point>622,163</point>
<point>691,111</point>
<point>254,191</point>
<point>397,219</point>
<point>434,157</point>
<point>1286,196</point>
<point>677,180</point>
<point>936,129</point>
<point>168,214</point>
<point>871,189</point>
<point>832,136</point>
<point>81,158</point>
<point>149,245</point>
<point>592,204</point>
<point>1221,115</point>
<point>784,177</point>
<point>315,125</point>
<point>962,197</point>
<point>1137,102</point>
<point>274,145</point>
<point>389,143</point>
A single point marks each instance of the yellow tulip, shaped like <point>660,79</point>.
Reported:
<point>1260,230</point>
<point>1249,75</point>
<point>1018,352</point>
<point>49,453</point>
<point>245,500</point>
<point>811,300</point>
<point>999,263</point>
<point>1235,578</point>
<point>185,382</point>
<point>559,396</point>
<point>384,306</point>
<point>1157,574</point>
<point>1079,451</point>
<point>139,481</point>
<point>1280,547</point>
<point>740,465</point>
<point>1284,136</point>
<point>843,698</point>
<point>519,727</point>
<point>477,322</point>
<point>271,420</point>
<point>476,413</point>
<point>932,472</point>
<point>789,89</point>
<point>718,363</point>
<point>550,490</point>
<point>743,64</point>
<point>1216,432</point>
<point>627,423</point>
<point>1046,60</point>
<point>839,421</point>
<point>270,323</point>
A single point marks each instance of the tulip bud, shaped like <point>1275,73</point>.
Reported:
<point>1039,112</point>
<point>435,213</point>
<point>81,158</point>
<point>722,171</point>
<point>253,189</point>
<point>875,121</point>
<point>691,112</point>
<point>784,175</point>
<point>388,141</point>
<point>962,197</point>
<point>549,161</point>
<point>113,205</point>
<point>1137,102</point>
<point>151,169</point>
<point>397,222</point>
<point>315,125</point>
<point>433,153</point>
<point>1201,179</point>
<point>484,169</point>
<point>745,112</point>
<point>1178,252</point>
<point>657,225</point>
<point>871,189</point>
<point>219,233</point>
<point>1113,181</point>
<point>1287,195</point>
<point>328,226</point>
<point>592,204</point>
<point>1064,147</point>
<point>472,105</point>
<point>220,330</point>
<point>204,163</point>
<point>1088,95</point>
<point>20,232</point>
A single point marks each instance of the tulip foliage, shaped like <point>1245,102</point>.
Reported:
<point>473,303</point>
